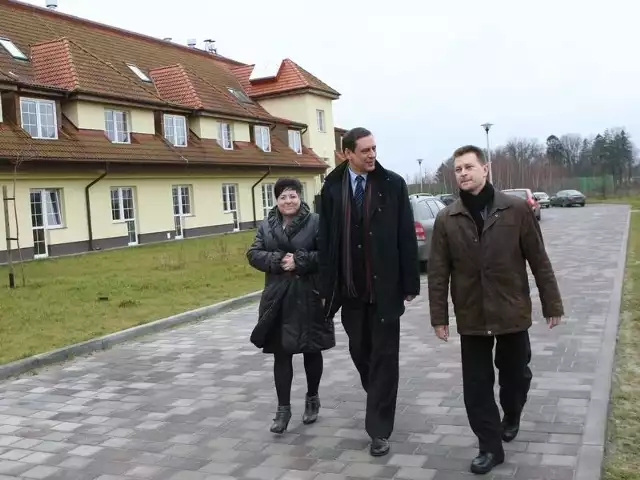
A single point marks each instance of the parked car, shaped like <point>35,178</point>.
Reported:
<point>568,198</point>
<point>543,199</point>
<point>425,209</point>
<point>446,198</point>
<point>526,195</point>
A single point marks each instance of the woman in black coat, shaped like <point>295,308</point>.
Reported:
<point>291,315</point>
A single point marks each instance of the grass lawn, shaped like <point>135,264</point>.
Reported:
<point>622,460</point>
<point>72,299</point>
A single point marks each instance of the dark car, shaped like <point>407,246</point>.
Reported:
<point>568,198</point>
<point>425,209</point>
<point>446,198</point>
<point>525,194</point>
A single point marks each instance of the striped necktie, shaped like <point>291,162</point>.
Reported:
<point>359,193</point>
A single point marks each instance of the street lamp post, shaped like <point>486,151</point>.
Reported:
<point>486,127</point>
<point>420,167</point>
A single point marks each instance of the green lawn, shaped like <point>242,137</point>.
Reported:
<point>622,460</point>
<point>72,299</point>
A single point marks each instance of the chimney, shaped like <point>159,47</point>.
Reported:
<point>192,42</point>
<point>210,46</point>
<point>52,4</point>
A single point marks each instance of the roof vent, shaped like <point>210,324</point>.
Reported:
<point>192,42</point>
<point>210,46</point>
<point>52,4</point>
<point>167,39</point>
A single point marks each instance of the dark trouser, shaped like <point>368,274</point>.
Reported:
<point>374,347</point>
<point>513,354</point>
<point>283,374</point>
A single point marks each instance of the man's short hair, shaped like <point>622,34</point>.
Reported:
<point>285,183</point>
<point>352,136</point>
<point>470,149</point>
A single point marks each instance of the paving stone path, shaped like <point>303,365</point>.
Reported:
<point>195,403</point>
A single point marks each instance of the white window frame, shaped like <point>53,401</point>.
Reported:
<point>139,73</point>
<point>295,141</point>
<point>45,196</point>
<point>120,126</point>
<point>12,49</point>
<point>39,105</point>
<point>226,197</point>
<point>303,191</point>
<point>120,200</point>
<point>225,135</point>
<point>321,120</point>
<point>263,137</point>
<point>268,198</point>
<point>178,125</point>
<point>184,192</point>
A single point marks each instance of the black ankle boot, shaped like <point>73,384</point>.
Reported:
<point>311,409</point>
<point>281,421</point>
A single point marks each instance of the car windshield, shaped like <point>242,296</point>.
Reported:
<point>421,211</point>
<point>517,193</point>
<point>541,195</point>
<point>572,192</point>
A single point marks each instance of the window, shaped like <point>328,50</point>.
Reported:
<point>175,130</point>
<point>268,200</point>
<point>139,73</point>
<point>11,48</point>
<point>116,126</point>
<point>46,210</point>
<point>181,200</point>
<point>303,192</point>
<point>295,141</point>
<point>224,136</point>
<point>229,197</point>
<point>263,140</point>
<point>39,118</point>
<point>320,120</point>
<point>422,211</point>
<point>239,95</point>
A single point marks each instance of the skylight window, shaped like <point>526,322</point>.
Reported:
<point>240,95</point>
<point>14,51</point>
<point>139,73</point>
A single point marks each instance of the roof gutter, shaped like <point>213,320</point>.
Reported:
<point>253,196</point>
<point>88,203</point>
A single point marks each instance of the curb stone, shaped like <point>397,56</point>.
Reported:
<point>102,343</point>
<point>591,454</point>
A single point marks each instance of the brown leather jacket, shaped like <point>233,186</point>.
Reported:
<point>489,281</point>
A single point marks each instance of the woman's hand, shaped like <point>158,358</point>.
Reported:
<point>288,263</point>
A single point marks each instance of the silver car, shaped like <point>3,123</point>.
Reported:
<point>425,209</point>
<point>543,199</point>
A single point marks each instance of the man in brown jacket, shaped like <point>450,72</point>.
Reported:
<point>482,242</point>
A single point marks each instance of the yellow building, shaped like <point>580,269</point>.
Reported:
<point>111,138</point>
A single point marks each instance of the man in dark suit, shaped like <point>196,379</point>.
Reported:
<point>369,266</point>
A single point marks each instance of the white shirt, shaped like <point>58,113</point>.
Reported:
<point>353,180</point>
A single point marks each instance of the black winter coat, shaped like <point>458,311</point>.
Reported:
<point>291,316</point>
<point>395,265</point>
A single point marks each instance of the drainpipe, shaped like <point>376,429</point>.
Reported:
<point>253,196</point>
<point>88,202</point>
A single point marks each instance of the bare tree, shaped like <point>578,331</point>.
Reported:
<point>571,148</point>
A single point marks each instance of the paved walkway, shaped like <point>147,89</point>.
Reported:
<point>195,403</point>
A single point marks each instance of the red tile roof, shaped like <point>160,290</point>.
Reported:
<point>290,77</point>
<point>77,56</point>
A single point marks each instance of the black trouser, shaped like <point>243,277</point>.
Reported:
<point>374,346</point>
<point>513,354</point>
<point>283,374</point>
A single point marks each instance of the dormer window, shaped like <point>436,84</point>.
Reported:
<point>175,130</point>
<point>263,139</point>
<point>295,141</point>
<point>139,73</point>
<point>225,138</point>
<point>240,95</point>
<point>11,48</point>
<point>116,126</point>
<point>39,118</point>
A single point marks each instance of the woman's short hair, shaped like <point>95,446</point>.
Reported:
<point>283,184</point>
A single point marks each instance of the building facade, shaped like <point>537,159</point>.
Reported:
<point>109,138</point>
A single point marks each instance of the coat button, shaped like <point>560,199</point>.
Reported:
<point>359,246</point>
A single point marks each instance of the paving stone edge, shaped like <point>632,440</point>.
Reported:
<point>102,343</point>
<point>591,455</point>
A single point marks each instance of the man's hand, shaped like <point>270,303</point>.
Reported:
<point>442,332</point>
<point>553,321</point>
<point>288,264</point>
<point>409,298</point>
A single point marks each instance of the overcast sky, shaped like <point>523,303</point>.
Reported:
<point>424,75</point>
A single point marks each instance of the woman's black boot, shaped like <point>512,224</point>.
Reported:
<point>281,421</point>
<point>311,409</point>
